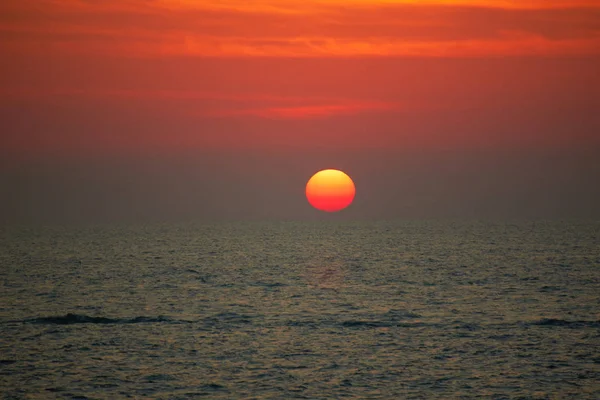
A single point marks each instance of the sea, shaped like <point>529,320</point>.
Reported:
<point>301,310</point>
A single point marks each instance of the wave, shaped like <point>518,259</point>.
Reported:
<point>565,323</point>
<point>69,319</point>
<point>381,324</point>
<point>220,319</point>
<point>233,319</point>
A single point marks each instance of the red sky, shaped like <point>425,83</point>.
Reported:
<point>164,78</point>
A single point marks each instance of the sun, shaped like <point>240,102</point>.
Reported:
<point>330,190</point>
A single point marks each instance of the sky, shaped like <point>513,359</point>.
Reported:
<point>152,110</point>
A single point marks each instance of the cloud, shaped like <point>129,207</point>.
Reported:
<point>214,104</point>
<point>310,111</point>
<point>309,28</point>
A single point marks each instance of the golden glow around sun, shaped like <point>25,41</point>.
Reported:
<point>330,190</point>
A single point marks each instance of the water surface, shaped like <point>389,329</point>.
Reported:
<point>421,310</point>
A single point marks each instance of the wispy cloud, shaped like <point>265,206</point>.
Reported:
<point>216,104</point>
<point>309,111</point>
<point>309,28</point>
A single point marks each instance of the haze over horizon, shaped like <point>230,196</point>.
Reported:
<point>181,110</point>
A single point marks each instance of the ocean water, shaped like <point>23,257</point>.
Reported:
<point>285,310</point>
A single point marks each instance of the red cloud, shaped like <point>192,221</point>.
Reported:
<point>302,28</point>
<point>309,111</point>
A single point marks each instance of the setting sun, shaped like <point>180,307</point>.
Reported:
<point>330,190</point>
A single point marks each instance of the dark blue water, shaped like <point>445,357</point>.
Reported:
<point>422,310</point>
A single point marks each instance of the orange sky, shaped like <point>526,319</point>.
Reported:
<point>135,74</point>
<point>173,108</point>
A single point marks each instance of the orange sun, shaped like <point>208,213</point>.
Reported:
<point>330,190</point>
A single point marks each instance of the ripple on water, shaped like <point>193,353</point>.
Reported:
<point>412,310</point>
